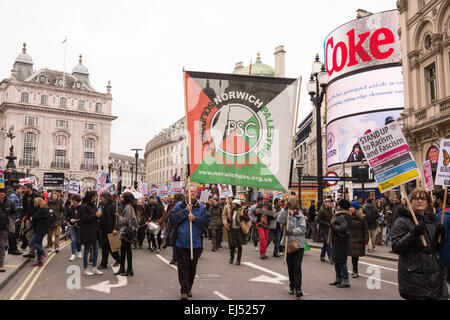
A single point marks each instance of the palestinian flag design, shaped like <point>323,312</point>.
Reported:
<point>240,128</point>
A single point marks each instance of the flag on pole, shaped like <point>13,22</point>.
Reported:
<point>250,69</point>
<point>240,134</point>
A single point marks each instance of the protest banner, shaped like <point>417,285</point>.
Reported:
<point>74,187</point>
<point>175,187</point>
<point>143,188</point>
<point>53,179</point>
<point>22,181</point>
<point>204,196</point>
<point>388,154</point>
<point>428,175</point>
<point>225,191</point>
<point>101,181</point>
<point>443,168</point>
<point>2,175</point>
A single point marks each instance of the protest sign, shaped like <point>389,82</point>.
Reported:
<point>225,190</point>
<point>443,168</point>
<point>428,175</point>
<point>175,187</point>
<point>2,175</point>
<point>74,187</point>
<point>388,154</point>
<point>53,179</point>
<point>204,196</point>
<point>101,181</point>
<point>143,188</point>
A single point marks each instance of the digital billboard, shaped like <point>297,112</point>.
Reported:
<point>363,59</point>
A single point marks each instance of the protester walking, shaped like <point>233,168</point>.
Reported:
<point>56,210</point>
<point>89,232</point>
<point>40,223</point>
<point>324,219</point>
<point>156,216</point>
<point>142,221</point>
<point>182,215</point>
<point>7,212</point>
<point>420,276</point>
<point>127,223</point>
<point>254,220</point>
<point>275,229</point>
<point>29,194</point>
<point>216,224</point>
<point>16,198</point>
<point>372,215</point>
<point>296,243</point>
<point>388,220</point>
<point>237,235</point>
<point>107,225</point>
<point>339,233</point>
<point>359,236</point>
<point>263,224</point>
<point>73,220</point>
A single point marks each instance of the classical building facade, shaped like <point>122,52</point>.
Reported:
<point>128,165</point>
<point>425,41</point>
<point>61,123</point>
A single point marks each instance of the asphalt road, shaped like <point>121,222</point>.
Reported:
<point>155,279</point>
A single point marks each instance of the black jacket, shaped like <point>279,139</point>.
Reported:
<point>312,213</point>
<point>419,273</point>
<point>359,235</point>
<point>28,203</point>
<point>7,210</point>
<point>88,224</point>
<point>372,215</point>
<point>40,221</point>
<point>107,222</point>
<point>341,225</point>
<point>72,213</point>
<point>324,219</point>
<point>156,211</point>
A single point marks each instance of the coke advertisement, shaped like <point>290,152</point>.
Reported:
<point>366,83</point>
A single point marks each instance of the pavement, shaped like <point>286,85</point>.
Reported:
<point>13,264</point>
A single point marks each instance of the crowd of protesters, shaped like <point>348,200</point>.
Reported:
<point>346,228</point>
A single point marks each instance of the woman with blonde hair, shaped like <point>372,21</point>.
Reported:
<point>296,243</point>
<point>359,236</point>
<point>40,222</point>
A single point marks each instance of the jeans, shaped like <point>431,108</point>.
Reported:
<point>275,236</point>
<point>94,255</point>
<point>388,235</point>
<point>12,238</point>
<point>255,235</point>
<point>373,238</point>
<point>126,252</point>
<point>75,237</point>
<point>187,268</point>
<point>3,242</point>
<point>355,261</point>
<point>341,271</point>
<point>106,249</point>
<point>36,243</point>
<point>294,263</point>
<point>216,234</point>
<point>325,248</point>
<point>263,237</point>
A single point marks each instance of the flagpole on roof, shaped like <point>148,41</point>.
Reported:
<point>65,54</point>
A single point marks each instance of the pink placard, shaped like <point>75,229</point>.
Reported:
<point>428,175</point>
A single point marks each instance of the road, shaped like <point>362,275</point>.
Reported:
<point>155,279</point>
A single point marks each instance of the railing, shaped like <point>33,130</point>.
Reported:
<point>444,105</point>
<point>27,162</point>
<point>421,114</point>
<point>63,165</point>
<point>85,166</point>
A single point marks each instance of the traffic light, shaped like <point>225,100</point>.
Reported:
<point>341,189</point>
<point>346,190</point>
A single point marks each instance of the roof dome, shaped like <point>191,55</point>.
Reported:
<point>258,69</point>
<point>79,68</point>
<point>23,57</point>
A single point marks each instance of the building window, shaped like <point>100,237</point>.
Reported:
<point>430,74</point>
<point>427,42</point>
<point>31,121</point>
<point>63,102</point>
<point>89,160</point>
<point>24,97</point>
<point>89,127</point>
<point>81,104</point>
<point>98,107</point>
<point>29,148</point>
<point>61,142</point>
<point>60,158</point>
<point>89,144</point>
<point>62,124</point>
<point>44,99</point>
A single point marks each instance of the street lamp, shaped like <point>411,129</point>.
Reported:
<point>136,155</point>
<point>362,178</point>
<point>299,167</point>
<point>317,86</point>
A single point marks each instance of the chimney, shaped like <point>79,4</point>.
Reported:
<point>239,66</point>
<point>361,13</point>
<point>279,62</point>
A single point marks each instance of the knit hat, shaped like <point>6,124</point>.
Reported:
<point>237,201</point>
<point>355,205</point>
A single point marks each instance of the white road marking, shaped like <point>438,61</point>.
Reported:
<point>171,265</point>
<point>278,280</point>
<point>379,279</point>
<point>375,265</point>
<point>217,293</point>
<point>105,287</point>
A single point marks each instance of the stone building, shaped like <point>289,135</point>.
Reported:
<point>425,41</point>
<point>61,123</point>
<point>128,165</point>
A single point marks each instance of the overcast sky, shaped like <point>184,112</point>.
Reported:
<point>142,46</point>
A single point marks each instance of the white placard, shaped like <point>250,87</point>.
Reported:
<point>225,190</point>
<point>443,168</point>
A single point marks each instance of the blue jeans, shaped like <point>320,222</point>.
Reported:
<point>275,236</point>
<point>36,243</point>
<point>388,235</point>
<point>87,248</point>
<point>341,271</point>
<point>326,247</point>
<point>75,237</point>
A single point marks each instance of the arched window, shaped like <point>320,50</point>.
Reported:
<point>60,152</point>
<point>29,148</point>
<point>89,143</point>
<point>81,104</point>
<point>98,107</point>
<point>24,96</point>
<point>63,102</point>
<point>44,99</point>
<point>89,154</point>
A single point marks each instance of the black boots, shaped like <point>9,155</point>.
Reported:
<point>118,273</point>
<point>231,255</point>
<point>239,255</point>
<point>128,273</point>
<point>336,282</point>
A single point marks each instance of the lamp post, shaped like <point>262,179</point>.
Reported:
<point>299,167</point>
<point>317,86</point>
<point>362,177</point>
<point>136,155</point>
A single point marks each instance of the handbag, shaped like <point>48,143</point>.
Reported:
<point>114,242</point>
<point>11,225</point>
<point>245,226</point>
<point>292,246</point>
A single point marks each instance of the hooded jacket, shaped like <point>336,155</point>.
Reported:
<point>297,223</point>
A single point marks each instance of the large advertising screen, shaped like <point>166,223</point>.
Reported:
<point>366,83</point>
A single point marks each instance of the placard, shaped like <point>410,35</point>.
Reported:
<point>428,175</point>
<point>225,191</point>
<point>204,196</point>
<point>53,179</point>
<point>2,175</point>
<point>443,168</point>
<point>388,153</point>
<point>74,187</point>
<point>101,181</point>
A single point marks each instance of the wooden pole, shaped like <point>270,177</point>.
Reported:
<point>286,236</point>
<point>190,222</point>
<point>405,196</point>
<point>443,211</point>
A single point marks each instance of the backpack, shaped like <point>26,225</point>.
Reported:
<point>130,232</point>
<point>172,233</point>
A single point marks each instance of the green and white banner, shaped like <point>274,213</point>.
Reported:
<point>240,129</point>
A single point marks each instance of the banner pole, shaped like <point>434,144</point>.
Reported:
<point>405,196</point>
<point>443,211</point>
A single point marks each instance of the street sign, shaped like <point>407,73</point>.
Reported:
<point>53,179</point>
